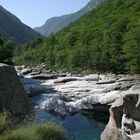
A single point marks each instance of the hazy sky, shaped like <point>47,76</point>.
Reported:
<point>36,12</point>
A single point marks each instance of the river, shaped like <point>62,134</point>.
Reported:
<point>85,125</point>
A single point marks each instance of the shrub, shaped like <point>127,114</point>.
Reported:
<point>35,131</point>
<point>50,132</point>
<point>5,50</point>
<point>3,122</point>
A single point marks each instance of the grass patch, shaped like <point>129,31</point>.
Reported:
<point>3,122</point>
<point>34,131</point>
<point>50,132</point>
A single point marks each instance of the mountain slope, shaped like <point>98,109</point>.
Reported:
<point>106,39</point>
<point>12,28</point>
<point>57,23</point>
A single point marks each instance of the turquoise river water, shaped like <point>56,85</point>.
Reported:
<point>85,125</point>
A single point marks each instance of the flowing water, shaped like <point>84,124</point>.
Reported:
<point>86,125</point>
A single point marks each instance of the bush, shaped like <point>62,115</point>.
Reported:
<point>50,132</point>
<point>3,122</point>
<point>6,51</point>
<point>35,131</point>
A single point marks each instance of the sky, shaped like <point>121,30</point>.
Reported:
<point>34,13</point>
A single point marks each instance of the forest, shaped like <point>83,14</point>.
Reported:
<point>6,50</point>
<point>107,39</point>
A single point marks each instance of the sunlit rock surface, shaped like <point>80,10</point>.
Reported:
<point>124,123</point>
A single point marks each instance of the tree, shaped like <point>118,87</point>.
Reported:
<point>5,51</point>
<point>132,50</point>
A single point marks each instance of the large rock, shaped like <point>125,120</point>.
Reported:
<point>124,122</point>
<point>54,104</point>
<point>135,88</point>
<point>94,91</point>
<point>91,101</point>
<point>12,95</point>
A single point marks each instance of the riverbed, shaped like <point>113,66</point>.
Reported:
<point>73,99</point>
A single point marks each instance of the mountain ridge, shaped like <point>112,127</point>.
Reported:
<point>55,24</point>
<point>12,28</point>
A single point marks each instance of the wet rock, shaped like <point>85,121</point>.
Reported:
<point>49,105</point>
<point>54,105</point>
<point>61,110</point>
<point>72,110</point>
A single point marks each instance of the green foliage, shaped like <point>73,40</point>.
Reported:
<point>5,50</point>
<point>50,131</point>
<point>106,39</point>
<point>28,131</point>
<point>35,131</point>
<point>3,122</point>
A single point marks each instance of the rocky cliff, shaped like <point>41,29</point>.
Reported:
<point>12,95</point>
<point>124,123</point>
